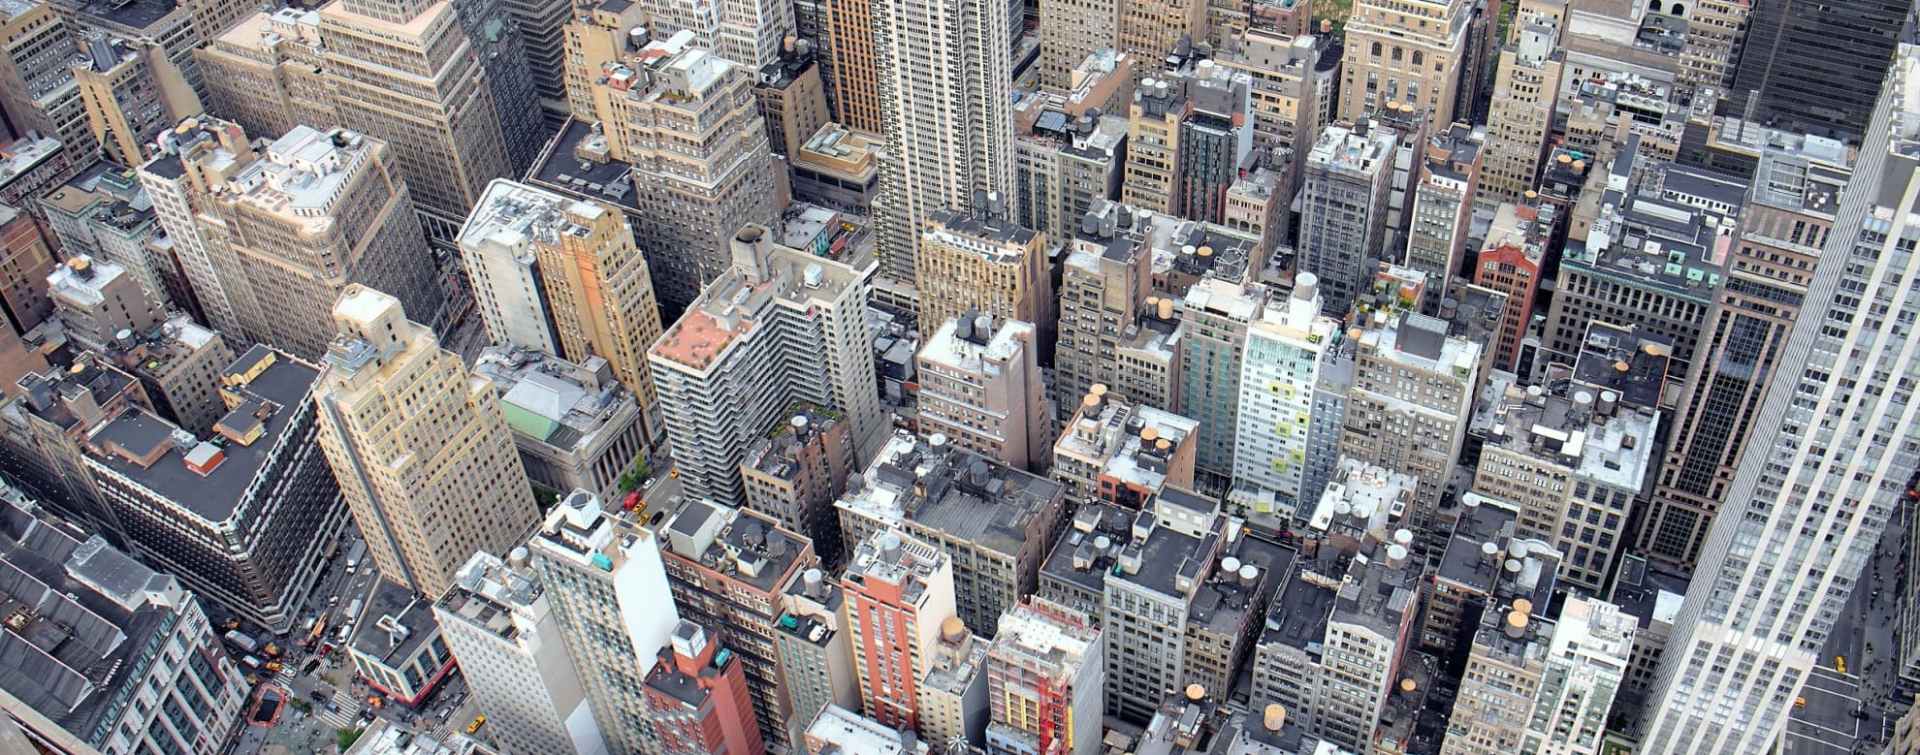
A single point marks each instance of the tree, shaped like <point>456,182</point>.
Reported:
<point>346,738</point>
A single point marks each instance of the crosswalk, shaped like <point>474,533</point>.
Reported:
<point>346,713</point>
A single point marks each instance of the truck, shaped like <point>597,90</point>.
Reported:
<point>316,631</point>
<point>354,554</point>
<point>241,641</point>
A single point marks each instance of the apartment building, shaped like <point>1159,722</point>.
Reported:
<point>900,599</point>
<point>751,346</point>
<point>1343,201</point>
<point>982,263</point>
<point>1122,453</point>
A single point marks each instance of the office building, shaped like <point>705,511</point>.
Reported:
<point>30,166</point>
<point>1739,656</point>
<point>1506,663</point>
<point>1411,53</point>
<point>1279,372</point>
<point>1335,649</point>
<point>1510,262</point>
<point>1188,136</point>
<point>575,425</point>
<point>131,93</point>
<point>982,263</point>
<point>102,211</point>
<point>408,470</point>
<point>1653,598</point>
<point>1045,680</point>
<point>697,696</point>
<point>794,475</point>
<point>1412,396</point>
<point>992,522</point>
<point>1786,220</point>
<point>1472,575</point>
<point>837,168</point>
<point>1326,421</point>
<point>852,52</point>
<point>267,73</point>
<point>605,581</point>
<point>1104,282</point>
<point>1343,211</point>
<point>179,188</point>
<point>1609,273</point>
<point>1715,35</point>
<point>1071,30</point>
<point>500,626</point>
<point>1215,315</point>
<point>122,630</point>
<point>563,277</point>
<point>792,98</point>
<point>247,513</point>
<point>980,387</point>
<point>1443,203</point>
<point>689,200</point>
<point>1154,29</point>
<point>949,136</point>
<point>179,362</point>
<point>36,67</point>
<point>899,596</point>
<point>728,569</point>
<point>407,74</point>
<point>44,425</point>
<point>1811,68</point>
<point>1526,87</point>
<point>1282,101</point>
<point>1586,662</point>
<point>751,346</point>
<point>815,659</point>
<point>1122,453</point>
<point>395,644</point>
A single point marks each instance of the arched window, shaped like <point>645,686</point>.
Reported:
<point>1376,47</point>
<point>1419,58</point>
<point>1397,54</point>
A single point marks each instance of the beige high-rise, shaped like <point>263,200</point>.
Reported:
<point>987,264</point>
<point>980,387</point>
<point>564,277</point>
<point>265,73</point>
<point>686,120</point>
<point>404,72</point>
<point>1406,51</point>
<point>273,242</point>
<point>1150,29</point>
<point>856,68</point>
<point>423,455</point>
<point>1525,88</point>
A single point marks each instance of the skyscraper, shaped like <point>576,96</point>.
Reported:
<point>985,263</point>
<point>1046,680</point>
<point>131,93</point>
<point>1816,67</point>
<point>501,627</point>
<point>945,86</point>
<point>424,458</point>
<point>1411,53</point>
<point>37,90</point>
<point>1526,87</point>
<point>685,119</point>
<point>980,387</point>
<point>1279,371</point>
<point>405,72</point>
<point>1343,208</point>
<point>1822,471</point>
<point>899,594</point>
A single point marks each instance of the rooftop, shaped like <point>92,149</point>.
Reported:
<point>1648,594</point>
<point>735,303</point>
<point>303,176</point>
<point>844,732</point>
<point>954,491</point>
<point>746,546</point>
<point>1129,443</point>
<point>1117,232</point>
<point>514,215</point>
<point>487,593</point>
<point>1045,639</point>
<point>1577,428</point>
<point>778,455</point>
<point>1418,341</point>
<point>106,194</point>
<point>1619,360</point>
<point>1660,238</point>
<point>576,163</point>
<point>1353,149</point>
<point>971,344</point>
<point>1341,581</point>
<point>557,402</point>
<point>393,625</point>
<point>896,559</point>
<point>1482,543</point>
<point>82,619</point>
<point>211,478</point>
<point>24,154</point>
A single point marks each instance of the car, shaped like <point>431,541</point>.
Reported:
<point>478,721</point>
<point>333,600</point>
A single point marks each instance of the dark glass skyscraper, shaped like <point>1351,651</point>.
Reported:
<point>1815,66</point>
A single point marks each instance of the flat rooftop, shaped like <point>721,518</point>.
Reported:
<point>575,163</point>
<point>733,306</point>
<point>393,625</point>
<point>554,401</point>
<point>155,454</point>
<point>954,491</point>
